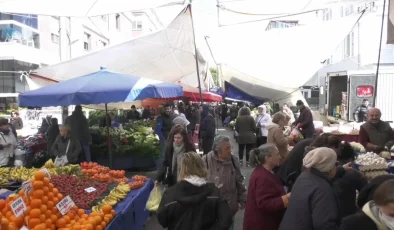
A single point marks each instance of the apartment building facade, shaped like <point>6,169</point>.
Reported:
<point>28,42</point>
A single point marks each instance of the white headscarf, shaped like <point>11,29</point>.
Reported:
<point>264,109</point>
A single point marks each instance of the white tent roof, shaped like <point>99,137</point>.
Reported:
<point>273,64</point>
<point>80,8</point>
<point>166,55</point>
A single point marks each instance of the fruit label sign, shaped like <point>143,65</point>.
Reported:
<point>27,186</point>
<point>65,205</point>
<point>44,170</point>
<point>18,207</point>
<point>90,189</point>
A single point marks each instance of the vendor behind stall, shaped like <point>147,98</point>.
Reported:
<point>133,114</point>
<point>66,149</point>
<point>375,133</point>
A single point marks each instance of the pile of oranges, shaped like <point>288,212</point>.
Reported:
<point>101,173</point>
<point>42,214</point>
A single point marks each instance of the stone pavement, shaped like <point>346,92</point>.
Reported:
<point>153,224</point>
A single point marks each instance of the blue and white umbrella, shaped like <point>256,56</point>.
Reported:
<point>99,88</point>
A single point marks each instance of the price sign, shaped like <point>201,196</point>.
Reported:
<point>90,189</point>
<point>24,228</point>
<point>27,186</point>
<point>45,170</point>
<point>65,205</point>
<point>18,207</point>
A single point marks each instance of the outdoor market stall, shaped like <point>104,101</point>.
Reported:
<point>101,87</point>
<point>93,189</point>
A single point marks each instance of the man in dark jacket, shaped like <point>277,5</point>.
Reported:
<point>207,129</point>
<point>375,134</point>
<point>305,120</point>
<point>361,112</point>
<point>80,130</point>
<point>162,129</point>
<point>133,114</point>
<point>146,113</point>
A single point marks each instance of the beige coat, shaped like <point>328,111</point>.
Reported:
<point>276,136</point>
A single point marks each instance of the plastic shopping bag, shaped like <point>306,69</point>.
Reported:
<point>61,161</point>
<point>296,134</point>
<point>154,199</point>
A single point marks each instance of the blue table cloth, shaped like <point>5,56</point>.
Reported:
<point>131,212</point>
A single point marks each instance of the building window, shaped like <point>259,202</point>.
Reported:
<point>327,14</point>
<point>117,21</point>
<point>348,10</point>
<point>348,49</point>
<point>87,42</point>
<point>137,25</point>
<point>55,38</point>
<point>281,24</point>
<point>104,17</point>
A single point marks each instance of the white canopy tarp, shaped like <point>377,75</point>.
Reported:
<point>166,55</point>
<point>80,8</point>
<point>273,64</point>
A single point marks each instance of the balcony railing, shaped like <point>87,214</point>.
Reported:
<point>19,34</point>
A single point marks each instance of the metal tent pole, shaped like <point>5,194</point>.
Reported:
<point>196,55</point>
<point>380,50</point>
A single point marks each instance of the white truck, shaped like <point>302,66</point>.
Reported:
<point>346,90</point>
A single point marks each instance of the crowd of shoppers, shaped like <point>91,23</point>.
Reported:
<point>314,186</point>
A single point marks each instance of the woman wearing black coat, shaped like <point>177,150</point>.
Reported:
<point>177,145</point>
<point>313,205</point>
<point>51,134</point>
<point>347,181</point>
<point>193,203</point>
<point>376,214</point>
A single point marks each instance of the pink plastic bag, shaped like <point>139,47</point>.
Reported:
<point>296,134</point>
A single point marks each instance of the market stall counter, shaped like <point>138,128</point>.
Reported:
<point>92,189</point>
<point>130,212</point>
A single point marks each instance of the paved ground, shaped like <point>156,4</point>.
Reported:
<point>152,223</point>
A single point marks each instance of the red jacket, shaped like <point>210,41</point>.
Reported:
<point>264,205</point>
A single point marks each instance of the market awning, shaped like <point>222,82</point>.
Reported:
<point>80,9</point>
<point>206,96</point>
<point>235,93</point>
<point>280,60</point>
<point>166,55</point>
<point>99,87</point>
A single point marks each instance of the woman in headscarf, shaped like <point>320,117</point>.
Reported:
<point>377,214</point>
<point>181,120</point>
<point>313,204</point>
<point>207,129</point>
<point>267,200</point>
<point>261,121</point>
<point>177,144</point>
<point>193,203</point>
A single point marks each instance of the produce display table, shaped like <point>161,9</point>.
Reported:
<point>131,211</point>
